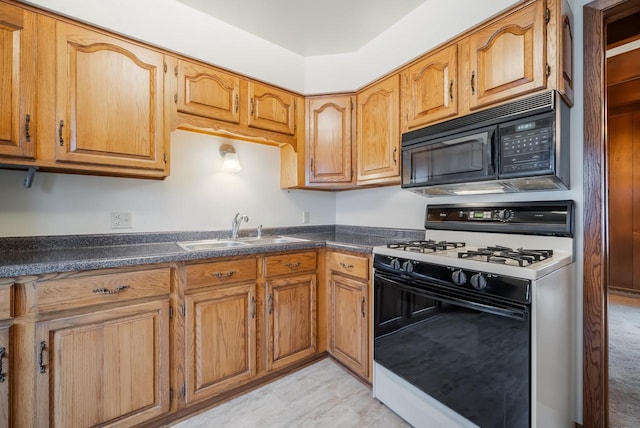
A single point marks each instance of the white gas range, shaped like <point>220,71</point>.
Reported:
<point>474,325</point>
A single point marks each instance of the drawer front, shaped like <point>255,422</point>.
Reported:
<point>349,265</point>
<point>284,264</point>
<point>220,273</point>
<point>70,293</point>
<point>6,302</point>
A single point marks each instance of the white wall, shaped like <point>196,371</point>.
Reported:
<point>429,25</point>
<point>196,196</point>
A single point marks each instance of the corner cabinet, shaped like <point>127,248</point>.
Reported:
<point>507,58</point>
<point>430,89</point>
<point>330,141</point>
<point>109,102</point>
<point>18,77</point>
<point>378,133</point>
<point>290,306</point>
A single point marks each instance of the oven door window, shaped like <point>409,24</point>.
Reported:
<point>473,361</point>
<point>446,160</point>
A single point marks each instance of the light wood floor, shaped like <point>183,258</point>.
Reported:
<point>321,395</point>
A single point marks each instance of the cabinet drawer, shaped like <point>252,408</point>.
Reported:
<point>220,273</point>
<point>349,265</point>
<point>70,293</point>
<point>6,302</point>
<point>289,263</point>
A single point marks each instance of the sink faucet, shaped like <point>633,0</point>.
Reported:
<point>235,224</point>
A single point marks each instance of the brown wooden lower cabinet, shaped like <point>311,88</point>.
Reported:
<point>5,376</point>
<point>221,340</point>
<point>109,367</point>
<point>291,319</point>
<point>349,323</point>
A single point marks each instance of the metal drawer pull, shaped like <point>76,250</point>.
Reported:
<point>60,133</point>
<point>473,83</point>
<point>295,265</point>
<point>346,266</point>
<point>114,291</point>
<point>253,307</point>
<point>362,308</point>
<point>43,368</point>
<point>223,275</point>
<point>2,373</point>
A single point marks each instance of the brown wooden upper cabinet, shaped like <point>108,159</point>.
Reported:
<point>208,92</point>
<point>506,58</point>
<point>378,132</point>
<point>109,102</point>
<point>18,77</point>
<point>430,89</point>
<point>330,140</point>
<point>271,109</point>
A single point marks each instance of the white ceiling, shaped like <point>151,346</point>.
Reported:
<point>310,27</point>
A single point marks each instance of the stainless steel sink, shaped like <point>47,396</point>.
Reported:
<point>270,240</point>
<point>211,245</point>
<point>216,244</point>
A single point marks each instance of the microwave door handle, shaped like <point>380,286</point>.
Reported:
<point>493,136</point>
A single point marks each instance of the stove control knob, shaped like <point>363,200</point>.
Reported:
<point>459,277</point>
<point>505,215</point>
<point>407,266</point>
<point>478,281</point>
<point>395,264</point>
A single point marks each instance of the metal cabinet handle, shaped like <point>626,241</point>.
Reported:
<point>237,102</point>
<point>451,90</point>
<point>253,307</point>
<point>346,266</point>
<point>362,308</point>
<point>252,106</point>
<point>60,133</point>
<point>293,266</point>
<point>473,83</point>
<point>223,274</point>
<point>43,367</point>
<point>395,160</point>
<point>270,303</point>
<point>27,126</point>
<point>114,291</point>
<point>3,350</point>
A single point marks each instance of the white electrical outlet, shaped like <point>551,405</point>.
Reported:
<point>121,220</point>
<point>306,217</point>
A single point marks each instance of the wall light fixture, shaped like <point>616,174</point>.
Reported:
<point>230,162</point>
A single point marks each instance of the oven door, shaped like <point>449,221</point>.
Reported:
<point>459,158</point>
<point>471,355</point>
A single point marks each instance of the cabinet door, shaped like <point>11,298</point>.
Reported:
<point>430,89</point>
<point>330,139</point>
<point>507,58</point>
<point>271,109</point>
<point>109,101</point>
<point>105,366</point>
<point>5,379</point>
<point>349,340</point>
<point>205,91</point>
<point>221,340</point>
<point>291,325</point>
<point>17,77</point>
<point>378,133</point>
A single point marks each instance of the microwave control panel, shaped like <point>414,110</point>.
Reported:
<point>527,146</point>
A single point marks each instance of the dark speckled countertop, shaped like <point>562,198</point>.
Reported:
<point>37,255</point>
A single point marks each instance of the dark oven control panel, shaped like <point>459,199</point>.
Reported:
<point>527,146</point>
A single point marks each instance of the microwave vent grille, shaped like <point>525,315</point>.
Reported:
<point>535,104</point>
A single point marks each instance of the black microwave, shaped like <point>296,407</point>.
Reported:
<point>520,146</point>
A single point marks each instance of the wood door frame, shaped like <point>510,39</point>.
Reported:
<point>595,355</point>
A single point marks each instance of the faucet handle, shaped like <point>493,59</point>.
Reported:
<point>259,231</point>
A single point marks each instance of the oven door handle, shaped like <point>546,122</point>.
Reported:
<point>520,315</point>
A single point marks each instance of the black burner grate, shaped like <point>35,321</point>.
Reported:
<point>429,246</point>
<point>499,254</point>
